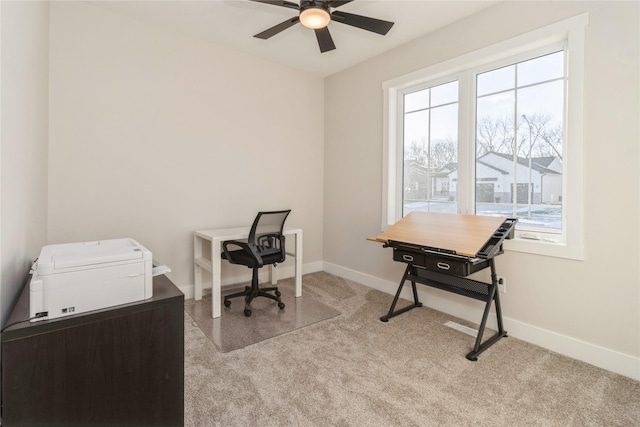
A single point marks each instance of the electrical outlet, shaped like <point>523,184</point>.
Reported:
<point>502,284</point>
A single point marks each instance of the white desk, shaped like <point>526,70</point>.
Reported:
<point>215,238</point>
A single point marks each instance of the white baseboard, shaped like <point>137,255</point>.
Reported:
<point>283,273</point>
<point>601,357</point>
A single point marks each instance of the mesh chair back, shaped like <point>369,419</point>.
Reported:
<point>266,232</point>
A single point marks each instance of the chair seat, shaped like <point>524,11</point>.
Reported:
<point>241,257</point>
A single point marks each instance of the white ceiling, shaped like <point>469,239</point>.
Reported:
<point>232,23</point>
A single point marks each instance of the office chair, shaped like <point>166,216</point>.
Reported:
<point>264,246</point>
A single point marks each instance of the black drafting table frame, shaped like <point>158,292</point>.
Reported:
<point>444,269</point>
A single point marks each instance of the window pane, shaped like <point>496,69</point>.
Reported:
<point>416,100</point>
<point>519,148</point>
<point>494,127</point>
<point>541,69</point>
<point>497,80</point>
<point>444,94</point>
<point>444,125</point>
<point>416,132</point>
<point>544,98</point>
<point>430,150</point>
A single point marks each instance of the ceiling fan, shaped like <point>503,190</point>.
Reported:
<point>316,14</point>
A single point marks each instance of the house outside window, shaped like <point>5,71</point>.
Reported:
<point>490,134</point>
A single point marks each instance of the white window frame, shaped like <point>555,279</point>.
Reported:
<point>571,33</point>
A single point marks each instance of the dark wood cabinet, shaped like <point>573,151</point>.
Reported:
<point>121,366</point>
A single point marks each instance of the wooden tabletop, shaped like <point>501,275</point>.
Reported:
<point>464,234</point>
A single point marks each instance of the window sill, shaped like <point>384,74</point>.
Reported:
<point>545,248</point>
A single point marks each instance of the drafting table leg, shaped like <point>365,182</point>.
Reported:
<point>480,346</point>
<point>415,304</point>
<point>498,309</point>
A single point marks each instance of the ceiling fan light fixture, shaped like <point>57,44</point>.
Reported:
<point>315,17</point>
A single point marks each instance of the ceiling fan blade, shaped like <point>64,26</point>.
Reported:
<point>277,28</point>
<point>338,3</point>
<point>282,3</point>
<point>325,41</point>
<point>370,24</point>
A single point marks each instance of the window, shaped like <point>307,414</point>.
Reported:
<point>519,141</point>
<point>495,132</point>
<point>430,147</point>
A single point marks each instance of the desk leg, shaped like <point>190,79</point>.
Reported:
<point>197,274</point>
<point>416,303</point>
<point>298,264</point>
<point>215,278</point>
<point>197,270</point>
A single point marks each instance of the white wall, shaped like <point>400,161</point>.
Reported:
<point>154,135</point>
<point>589,309</point>
<point>23,142</point>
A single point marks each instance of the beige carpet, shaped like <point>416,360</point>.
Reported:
<point>353,370</point>
<point>233,330</point>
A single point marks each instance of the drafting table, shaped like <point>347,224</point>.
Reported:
<point>440,250</point>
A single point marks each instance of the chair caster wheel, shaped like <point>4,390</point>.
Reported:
<point>227,303</point>
<point>278,293</point>
<point>247,312</point>
<point>281,305</point>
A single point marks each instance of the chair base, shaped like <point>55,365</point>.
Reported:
<point>254,291</point>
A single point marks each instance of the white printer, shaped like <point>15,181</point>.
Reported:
<point>73,278</point>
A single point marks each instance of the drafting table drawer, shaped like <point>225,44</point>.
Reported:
<point>447,265</point>
<point>409,257</point>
